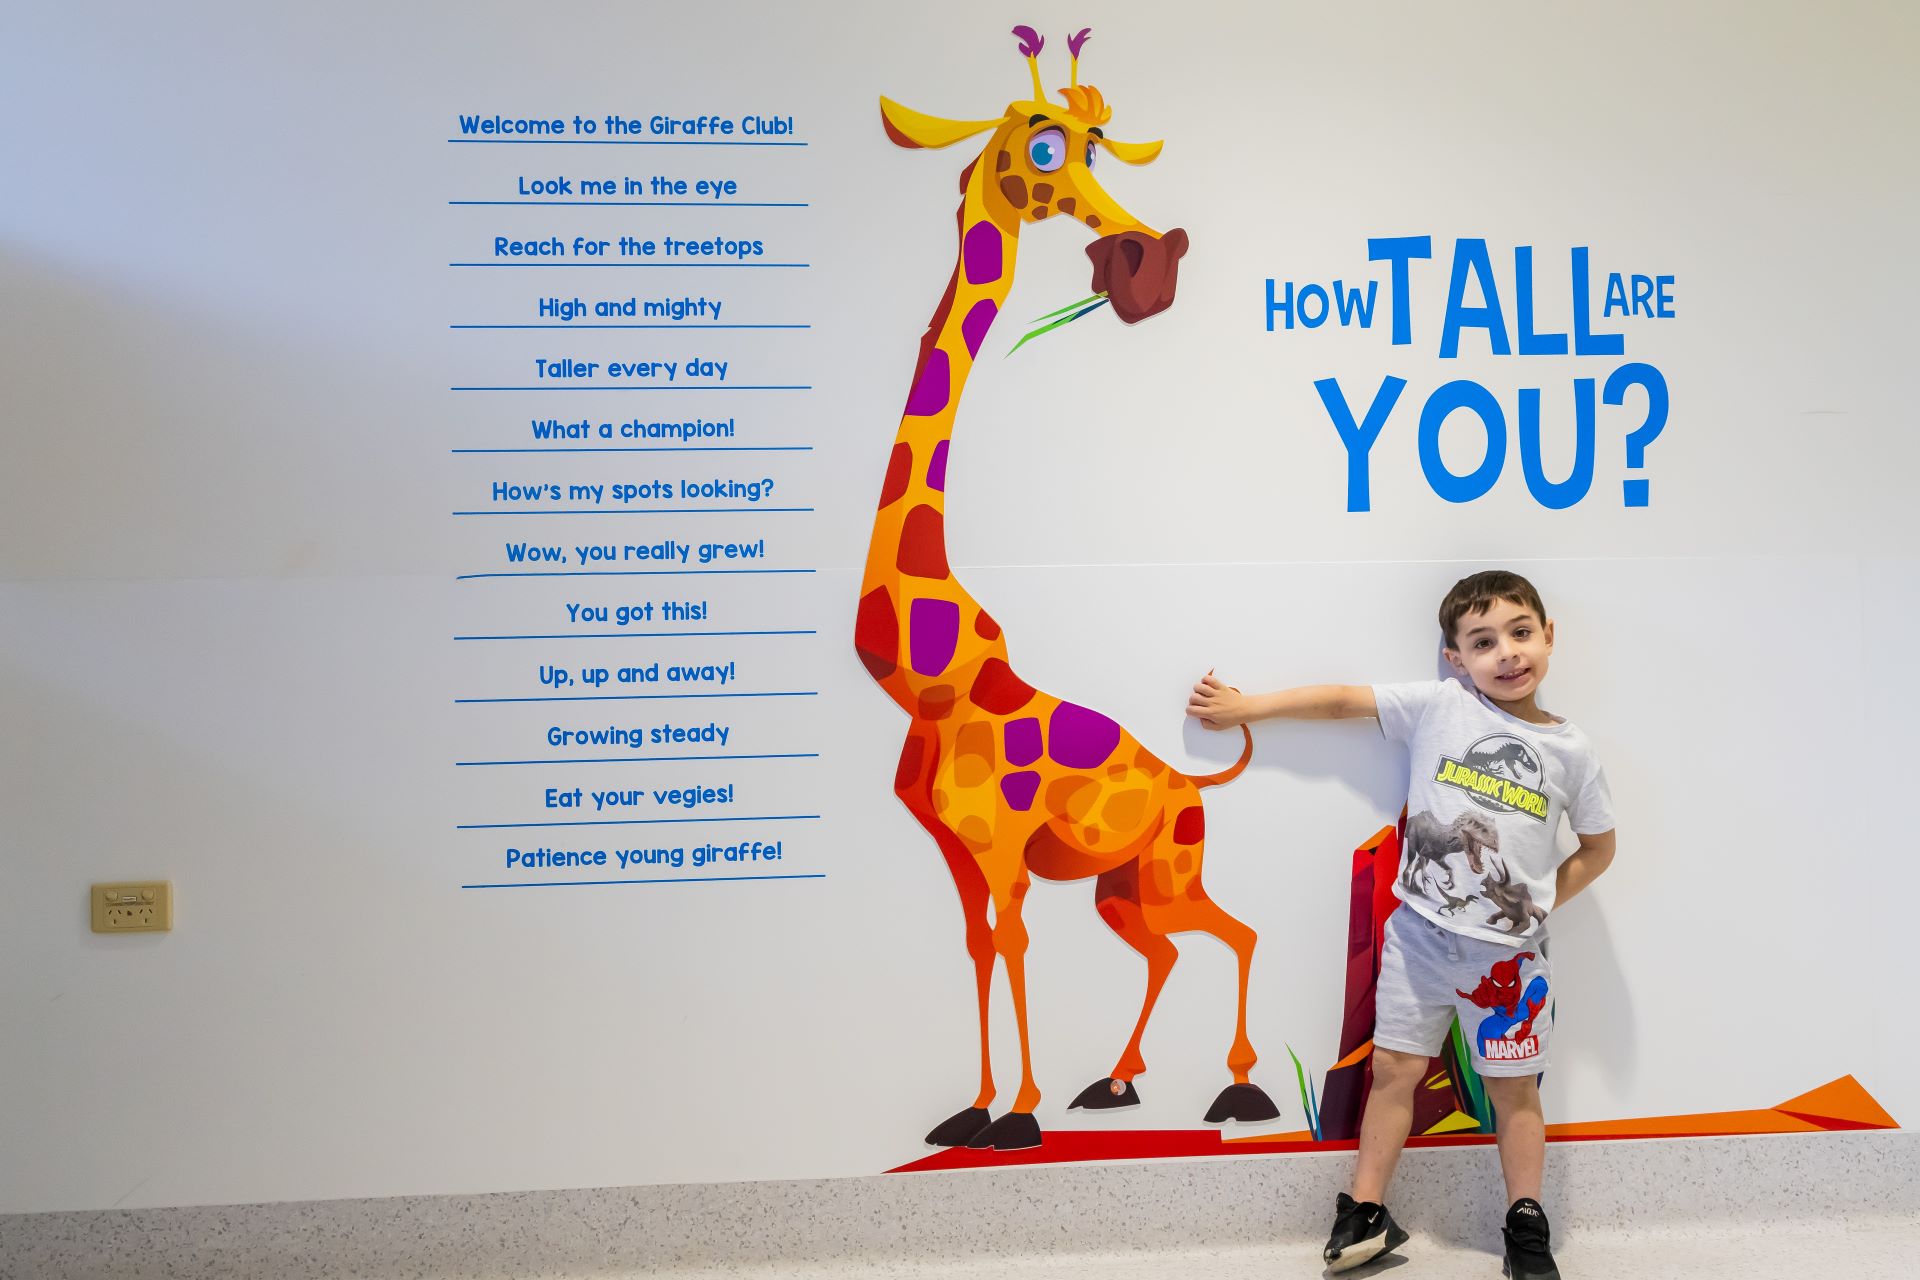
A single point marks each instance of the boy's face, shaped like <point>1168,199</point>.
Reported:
<point>1503,650</point>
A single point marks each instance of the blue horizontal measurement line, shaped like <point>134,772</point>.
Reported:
<point>634,572</point>
<point>567,884</point>
<point>707,448</point>
<point>616,142</point>
<point>692,266</point>
<point>628,386</point>
<point>641,511</point>
<point>644,697</point>
<point>788,755</point>
<point>637,822</point>
<point>629,326</point>
<point>620,573</point>
<point>652,204</point>
<point>639,635</point>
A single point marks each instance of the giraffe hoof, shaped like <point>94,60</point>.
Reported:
<point>1011,1132</point>
<point>1247,1103</point>
<point>1106,1095</point>
<point>958,1129</point>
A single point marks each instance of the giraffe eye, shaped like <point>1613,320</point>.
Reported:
<point>1047,150</point>
<point>1089,153</point>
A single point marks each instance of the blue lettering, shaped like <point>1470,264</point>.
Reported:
<point>1462,394</point>
<point>1558,497</point>
<point>1471,255</point>
<point>1531,343</point>
<point>1359,440</point>
<point>1398,250</point>
<point>1586,342</point>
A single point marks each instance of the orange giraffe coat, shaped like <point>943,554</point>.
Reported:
<point>1012,782</point>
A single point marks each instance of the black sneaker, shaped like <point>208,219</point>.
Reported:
<point>1361,1233</point>
<point>1528,1257</point>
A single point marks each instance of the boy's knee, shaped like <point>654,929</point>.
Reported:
<point>1508,1091</point>
<point>1397,1071</point>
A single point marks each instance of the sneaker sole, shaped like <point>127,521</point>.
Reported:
<point>1365,1251</point>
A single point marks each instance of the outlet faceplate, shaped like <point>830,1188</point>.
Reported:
<point>144,906</point>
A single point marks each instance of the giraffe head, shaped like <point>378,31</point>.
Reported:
<point>1038,165</point>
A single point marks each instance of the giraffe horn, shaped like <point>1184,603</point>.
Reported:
<point>1031,43</point>
<point>1075,43</point>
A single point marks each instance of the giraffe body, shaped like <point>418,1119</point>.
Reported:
<point>1012,782</point>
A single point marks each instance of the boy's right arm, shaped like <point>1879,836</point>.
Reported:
<point>1219,706</point>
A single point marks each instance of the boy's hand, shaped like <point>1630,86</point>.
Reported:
<point>1217,705</point>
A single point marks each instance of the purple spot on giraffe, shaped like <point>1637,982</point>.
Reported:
<point>1019,788</point>
<point>931,388</point>
<point>1076,736</point>
<point>937,468</point>
<point>980,252</point>
<point>979,320</point>
<point>1023,740</point>
<point>933,629</point>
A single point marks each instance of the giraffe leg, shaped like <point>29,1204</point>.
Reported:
<point>1174,901</point>
<point>1017,1128</point>
<point>1117,898</point>
<point>914,785</point>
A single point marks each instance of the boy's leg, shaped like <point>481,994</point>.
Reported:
<point>1522,1133</point>
<point>1513,1001</point>
<point>1411,1012</point>
<point>1388,1120</point>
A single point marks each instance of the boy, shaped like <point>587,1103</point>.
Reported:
<point>1480,870</point>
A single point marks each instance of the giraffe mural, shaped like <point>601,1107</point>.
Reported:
<point>1012,782</point>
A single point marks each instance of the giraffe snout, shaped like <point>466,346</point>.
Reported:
<point>1137,272</point>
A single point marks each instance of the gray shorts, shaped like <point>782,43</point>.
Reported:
<point>1428,975</point>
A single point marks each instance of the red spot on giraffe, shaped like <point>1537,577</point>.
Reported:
<point>1190,826</point>
<point>985,627</point>
<point>923,544</point>
<point>899,472</point>
<point>997,690</point>
<point>937,702</point>
<point>910,756</point>
<point>876,633</point>
<point>898,138</point>
<point>941,312</point>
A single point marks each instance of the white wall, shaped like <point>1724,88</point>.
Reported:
<point>227,571</point>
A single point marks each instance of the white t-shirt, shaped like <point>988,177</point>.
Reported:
<point>1484,807</point>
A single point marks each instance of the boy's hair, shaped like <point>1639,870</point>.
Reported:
<point>1476,593</point>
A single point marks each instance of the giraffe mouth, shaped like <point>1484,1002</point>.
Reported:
<point>1137,272</point>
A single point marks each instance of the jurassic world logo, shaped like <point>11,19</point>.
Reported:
<point>1500,773</point>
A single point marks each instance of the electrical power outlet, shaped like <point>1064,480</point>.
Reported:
<point>145,906</point>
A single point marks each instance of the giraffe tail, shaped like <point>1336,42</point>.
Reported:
<point>1233,770</point>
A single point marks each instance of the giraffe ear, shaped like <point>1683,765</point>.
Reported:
<point>1133,152</point>
<point>910,128</point>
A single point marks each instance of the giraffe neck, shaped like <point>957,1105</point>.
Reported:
<point>908,582</point>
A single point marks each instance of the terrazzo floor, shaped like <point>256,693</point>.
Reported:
<point>1877,1253</point>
